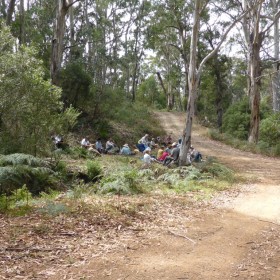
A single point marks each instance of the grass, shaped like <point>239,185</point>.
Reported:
<point>122,176</point>
<point>260,148</point>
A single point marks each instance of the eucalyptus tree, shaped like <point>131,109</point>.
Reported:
<point>195,71</point>
<point>276,75</point>
<point>7,10</point>
<point>168,35</point>
<point>256,27</point>
<point>58,44</point>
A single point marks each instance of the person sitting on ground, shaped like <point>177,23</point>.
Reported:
<point>111,147</point>
<point>194,155</point>
<point>98,146</point>
<point>144,140</point>
<point>58,141</point>
<point>148,159</point>
<point>141,147</point>
<point>85,143</point>
<point>164,155</point>
<point>174,155</point>
<point>125,150</point>
<point>160,151</point>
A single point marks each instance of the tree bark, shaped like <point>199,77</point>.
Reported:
<point>276,65</point>
<point>11,9</point>
<point>57,41</point>
<point>194,75</point>
<point>21,26</point>
<point>193,80</point>
<point>254,67</point>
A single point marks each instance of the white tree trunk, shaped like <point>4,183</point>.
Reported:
<point>276,68</point>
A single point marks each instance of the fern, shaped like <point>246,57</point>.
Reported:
<point>22,159</point>
<point>36,179</point>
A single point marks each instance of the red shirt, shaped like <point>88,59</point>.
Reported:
<point>164,155</point>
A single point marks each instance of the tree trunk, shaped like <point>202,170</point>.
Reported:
<point>10,12</point>
<point>194,75</point>
<point>57,41</point>
<point>193,80</point>
<point>73,53</point>
<point>3,9</point>
<point>255,84</point>
<point>255,43</point>
<point>276,65</point>
<point>21,26</point>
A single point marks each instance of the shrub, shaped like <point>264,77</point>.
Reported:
<point>94,170</point>
<point>270,129</point>
<point>126,182</point>
<point>17,170</point>
<point>236,120</point>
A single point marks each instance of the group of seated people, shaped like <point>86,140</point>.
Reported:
<point>167,153</point>
<point>110,146</point>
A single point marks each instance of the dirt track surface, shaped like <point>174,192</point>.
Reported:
<point>234,236</point>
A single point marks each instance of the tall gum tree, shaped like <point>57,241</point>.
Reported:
<point>276,76</point>
<point>195,72</point>
<point>62,7</point>
<point>256,27</point>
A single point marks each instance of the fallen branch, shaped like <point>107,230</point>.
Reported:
<point>183,236</point>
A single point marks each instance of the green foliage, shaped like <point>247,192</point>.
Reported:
<point>19,169</point>
<point>75,83</point>
<point>149,93</point>
<point>30,106</point>
<point>215,91</point>
<point>79,152</point>
<point>94,170</point>
<point>270,129</point>
<point>237,119</point>
<point>22,159</point>
<point>216,170</point>
<point>54,208</point>
<point>125,182</point>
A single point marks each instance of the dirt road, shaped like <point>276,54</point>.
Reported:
<point>235,236</point>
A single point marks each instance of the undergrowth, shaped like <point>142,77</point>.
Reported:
<point>112,175</point>
<point>261,147</point>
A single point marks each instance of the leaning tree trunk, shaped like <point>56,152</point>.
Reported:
<point>193,81</point>
<point>194,75</point>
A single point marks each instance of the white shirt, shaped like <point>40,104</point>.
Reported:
<point>85,142</point>
<point>148,159</point>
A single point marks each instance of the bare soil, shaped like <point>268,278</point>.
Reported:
<point>236,235</point>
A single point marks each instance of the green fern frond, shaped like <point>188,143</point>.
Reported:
<point>22,159</point>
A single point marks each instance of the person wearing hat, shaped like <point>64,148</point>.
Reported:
<point>148,159</point>
<point>125,150</point>
<point>174,156</point>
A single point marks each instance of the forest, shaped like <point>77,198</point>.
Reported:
<point>205,72</point>
<point>67,63</point>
